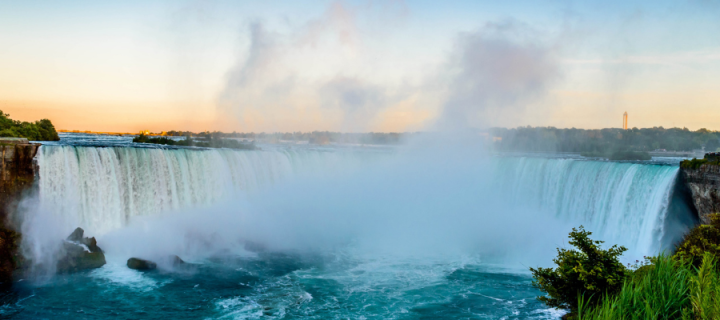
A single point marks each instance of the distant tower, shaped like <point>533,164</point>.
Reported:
<point>625,120</point>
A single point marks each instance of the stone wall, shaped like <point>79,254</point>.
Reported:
<point>704,184</point>
<point>17,173</point>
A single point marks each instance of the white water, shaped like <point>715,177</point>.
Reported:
<point>101,189</point>
<point>626,202</point>
<point>104,189</point>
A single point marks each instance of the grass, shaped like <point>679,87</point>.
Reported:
<point>666,289</point>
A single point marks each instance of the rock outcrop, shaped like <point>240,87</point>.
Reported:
<point>704,184</point>
<point>17,173</point>
<point>80,253</point>
<point>140,264</point>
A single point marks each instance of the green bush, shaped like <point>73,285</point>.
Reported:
<point>692,164</point>
<point>660,291</point>
<point>701,239</point>
<point>42,130</point>
<point>589,272</point>
<point>671,289</point>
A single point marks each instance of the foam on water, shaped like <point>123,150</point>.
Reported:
<point>335,233</point>
<point>116,272</point>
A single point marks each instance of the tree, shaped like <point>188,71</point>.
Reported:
<point>42,130</point>
<point>589,271</point>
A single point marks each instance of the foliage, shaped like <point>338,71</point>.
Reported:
<point>660,291</point>
<point>697,163</point>
<point>671,289</point>
<point>693,164</point>
<point>700,240</point>
<point>589,271</point>
<point>41,130</point>
<point>602,141</point>
<point>684,286</point>
<point>705,290</point>
<point>189,142</point>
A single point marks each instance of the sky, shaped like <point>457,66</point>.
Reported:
<point>357,66</point>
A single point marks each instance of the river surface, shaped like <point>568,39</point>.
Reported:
<point>333,232</point>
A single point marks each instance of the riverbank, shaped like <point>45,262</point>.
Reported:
<point>17,173</point>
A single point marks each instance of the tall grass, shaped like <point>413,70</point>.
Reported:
<point>666,289</point>
<point>705,290</point>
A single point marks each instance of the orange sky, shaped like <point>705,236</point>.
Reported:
<point>343,66</point>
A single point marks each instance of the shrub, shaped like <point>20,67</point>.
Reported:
<point>697,163</point>
<point>590,272</point>
<point>42,130</point>
<point>701,239</point>
<point>661,291</point>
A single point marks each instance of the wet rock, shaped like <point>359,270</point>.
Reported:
<point>176,261</point>
<point>140,264</point>
<point>79,253</point>
<point>17,176</point>
<point>704,185</point>
<point>76,235</point>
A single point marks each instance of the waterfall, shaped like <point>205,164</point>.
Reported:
<point>627,202</point>
<point>101,189</point>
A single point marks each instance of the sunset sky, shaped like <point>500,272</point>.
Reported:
<point>359,65</point>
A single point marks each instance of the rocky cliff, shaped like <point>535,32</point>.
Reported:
<point>17,173</point>
<point>704,184</point>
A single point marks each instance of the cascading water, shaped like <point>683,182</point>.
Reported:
<point>100,189</point>
<point>625,202</point>
<point>396,235</point>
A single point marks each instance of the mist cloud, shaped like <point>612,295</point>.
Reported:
<point>304,79</point>
<point>495,72</point>
<point>312,78</point>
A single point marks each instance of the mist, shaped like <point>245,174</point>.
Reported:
<point>421,202</point>
<point>434,196</point>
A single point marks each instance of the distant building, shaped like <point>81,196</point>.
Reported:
<point>625,125</point>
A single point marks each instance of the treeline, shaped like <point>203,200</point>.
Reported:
<point>207,142</point>
<point>316,137</point>
<point>551,139</point>
<point>42,130</point>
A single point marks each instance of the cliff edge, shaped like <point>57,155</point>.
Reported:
<point>702,177</point>
<point>17,173</point>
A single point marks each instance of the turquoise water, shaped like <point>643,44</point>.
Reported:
<point>283,286</point>
<point>347,232</point>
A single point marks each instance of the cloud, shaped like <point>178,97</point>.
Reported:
<point>312,77</point>
<point>359,100</point>
<point>495,72</point>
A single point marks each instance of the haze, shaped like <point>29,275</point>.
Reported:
<point>359,65</point>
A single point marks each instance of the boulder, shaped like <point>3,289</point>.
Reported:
<point>140,264</point>
<point>79,253</point>
<point>176,261</point>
